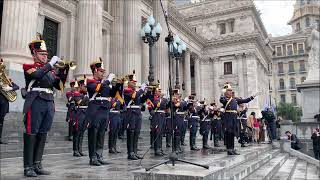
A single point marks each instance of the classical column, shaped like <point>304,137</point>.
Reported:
<point>187,73</point>
<point>117,35</point>
<point>239,59</point>
<point>132,39</point>
<point>216,88</point>
<point>197,77</point>
<point>89,34</point>
<point>19,25</point>
<point>252,78</point>
<point>160,55</point>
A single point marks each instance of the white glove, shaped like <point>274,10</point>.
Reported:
<point>222,110</point>
<point>7,88</point>
<point>54,60</point>
<point>143,86</point>
<point>111,76</point>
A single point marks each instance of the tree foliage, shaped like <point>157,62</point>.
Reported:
<point>289,111</point>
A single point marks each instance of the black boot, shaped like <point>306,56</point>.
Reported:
<point>38,153</point>
<point>135,145</point>
<point>130,136</point>
<point>92,141</point>
<point>80,144</point>
<point>1,127</point>
<point>168,140</point>
<point>157,145</point>
<point>110,143</point>
<point>29,141</point>
<point>193,144</point>
<point>75,146</point>
<point>205,142</point>
<point>100,145</point>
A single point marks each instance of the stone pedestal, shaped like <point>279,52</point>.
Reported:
<point>310,95</point>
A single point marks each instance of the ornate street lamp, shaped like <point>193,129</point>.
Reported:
<point>151,34</point>
<point>176,51</point>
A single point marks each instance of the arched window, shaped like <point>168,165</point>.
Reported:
<point>292,83</point>
<point>281,84</point>
<point>307,21</point>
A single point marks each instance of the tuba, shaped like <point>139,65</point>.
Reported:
<point>5,81</point>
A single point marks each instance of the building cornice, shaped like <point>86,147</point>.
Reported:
<point>176,19</point>
<point>67,6</point>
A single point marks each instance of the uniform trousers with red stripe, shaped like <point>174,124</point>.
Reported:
<point>38,121</point>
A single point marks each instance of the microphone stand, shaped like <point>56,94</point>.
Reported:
<point>173,157</point>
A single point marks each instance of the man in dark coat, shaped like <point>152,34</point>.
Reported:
<point>295,142</point>
<point>229,117</point>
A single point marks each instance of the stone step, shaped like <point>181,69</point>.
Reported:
<point>15,149</point>
<point>248,167</point>
<point>219,165</point>
<point>233,161</point>
<point>270,168</point>
<point>286,169</point>
<point>313,172</point>
<point>300,171</point>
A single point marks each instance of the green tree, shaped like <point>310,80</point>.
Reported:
<point>289,111</point>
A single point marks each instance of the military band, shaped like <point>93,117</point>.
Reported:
<point>113,104</point>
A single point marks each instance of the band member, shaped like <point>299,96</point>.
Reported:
<point>4,102</point>
<point>158,113</point>
<point>229,117</point>
<point>81,101</point>
<point>70,105</point>
<point>100,92</point>
<point>117,104</point>
<point>205,122</point>
<point>216,126</point>
<point>193,120</point>
<point>133,117</point>
<point>179,108</point>
<point>39,107</point>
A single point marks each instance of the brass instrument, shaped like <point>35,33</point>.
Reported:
<point>65,63</point>
<point>5,81</point>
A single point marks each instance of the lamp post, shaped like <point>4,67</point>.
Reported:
<point>176,51</point>
<point>151,34</point>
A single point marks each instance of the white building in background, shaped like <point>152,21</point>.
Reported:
<point>290,61</point>
<point>225,40</point>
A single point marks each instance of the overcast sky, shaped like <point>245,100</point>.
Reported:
<point>275,15</point>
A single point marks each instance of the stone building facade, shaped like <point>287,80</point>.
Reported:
<point>290,61</point>
<point>225,40</point>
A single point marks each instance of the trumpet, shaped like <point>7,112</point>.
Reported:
<point>65,63</point>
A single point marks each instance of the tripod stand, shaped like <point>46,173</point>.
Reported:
<point>173,158</point>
